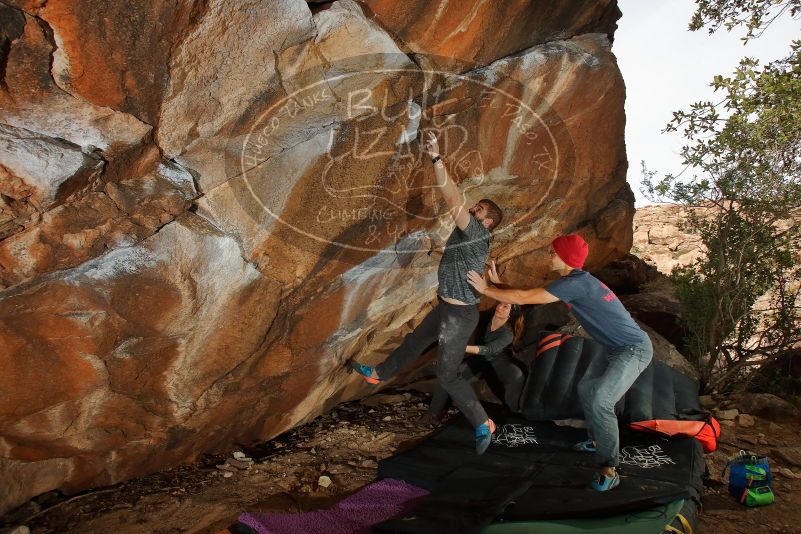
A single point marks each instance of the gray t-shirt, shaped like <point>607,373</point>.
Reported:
<point>466,250</point>
<point>597,309</point>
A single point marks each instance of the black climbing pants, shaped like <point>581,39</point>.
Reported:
<point>451,325</point>
<point>503,375</point>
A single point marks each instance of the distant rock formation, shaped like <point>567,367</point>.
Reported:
<point>660,240</point>
<point>207,207</point>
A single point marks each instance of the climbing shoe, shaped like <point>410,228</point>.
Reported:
<point>484,433</point>
<point>585,446</point>
<point>365,371</point>
<point>605,483</point>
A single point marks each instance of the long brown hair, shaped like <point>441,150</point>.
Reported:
<point>517,320</point>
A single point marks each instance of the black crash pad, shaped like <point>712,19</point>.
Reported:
<point>530,472</point>
<point>550,391</point>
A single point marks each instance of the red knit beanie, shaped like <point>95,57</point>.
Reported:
<point>571,249</point>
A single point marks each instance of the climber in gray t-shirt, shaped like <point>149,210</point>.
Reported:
<point>453,320</point>
<point>466,250</point>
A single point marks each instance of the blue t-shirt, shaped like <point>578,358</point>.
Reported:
<point>597,309</point>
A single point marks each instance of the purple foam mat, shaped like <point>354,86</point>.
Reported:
<point>370,505</point>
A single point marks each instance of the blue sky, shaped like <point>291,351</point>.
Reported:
<point>666,68</point>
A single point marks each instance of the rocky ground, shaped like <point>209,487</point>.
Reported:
<point>776,436</point>
<point>318,463</point>
<point>286,474</point>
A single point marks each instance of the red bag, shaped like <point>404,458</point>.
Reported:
<point>706,431</point>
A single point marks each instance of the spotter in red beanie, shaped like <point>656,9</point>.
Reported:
<point>571,249</point>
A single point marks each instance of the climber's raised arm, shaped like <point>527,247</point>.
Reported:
<point>448,189</point>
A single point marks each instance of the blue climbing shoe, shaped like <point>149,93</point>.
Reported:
<point>585,446</point>
<point>365,371</point>
<point>484,433</point>
<point>605,483</point>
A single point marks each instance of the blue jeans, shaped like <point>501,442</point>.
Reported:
<point>599,395</point>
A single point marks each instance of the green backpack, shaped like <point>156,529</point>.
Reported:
<point>749,479</point>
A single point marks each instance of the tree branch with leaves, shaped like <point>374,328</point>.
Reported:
<point>744,197</point>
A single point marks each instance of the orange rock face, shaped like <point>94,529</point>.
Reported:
<point>114,54</point>
<point>208,207</point>
<point>477,33</point>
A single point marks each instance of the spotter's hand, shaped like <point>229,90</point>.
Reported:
<point>477,281</point>
<point>493,273</point>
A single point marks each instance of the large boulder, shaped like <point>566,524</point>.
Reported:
<point>121,214</point>
<point>121,364</point>
<point>43,171</point>
<point>32,100</point>
<point>658,308</point>
<point>209,207</point>
<point>767,405</point>
<point>115,54</point>
<point>458,35</point>
<point>629,274</point>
